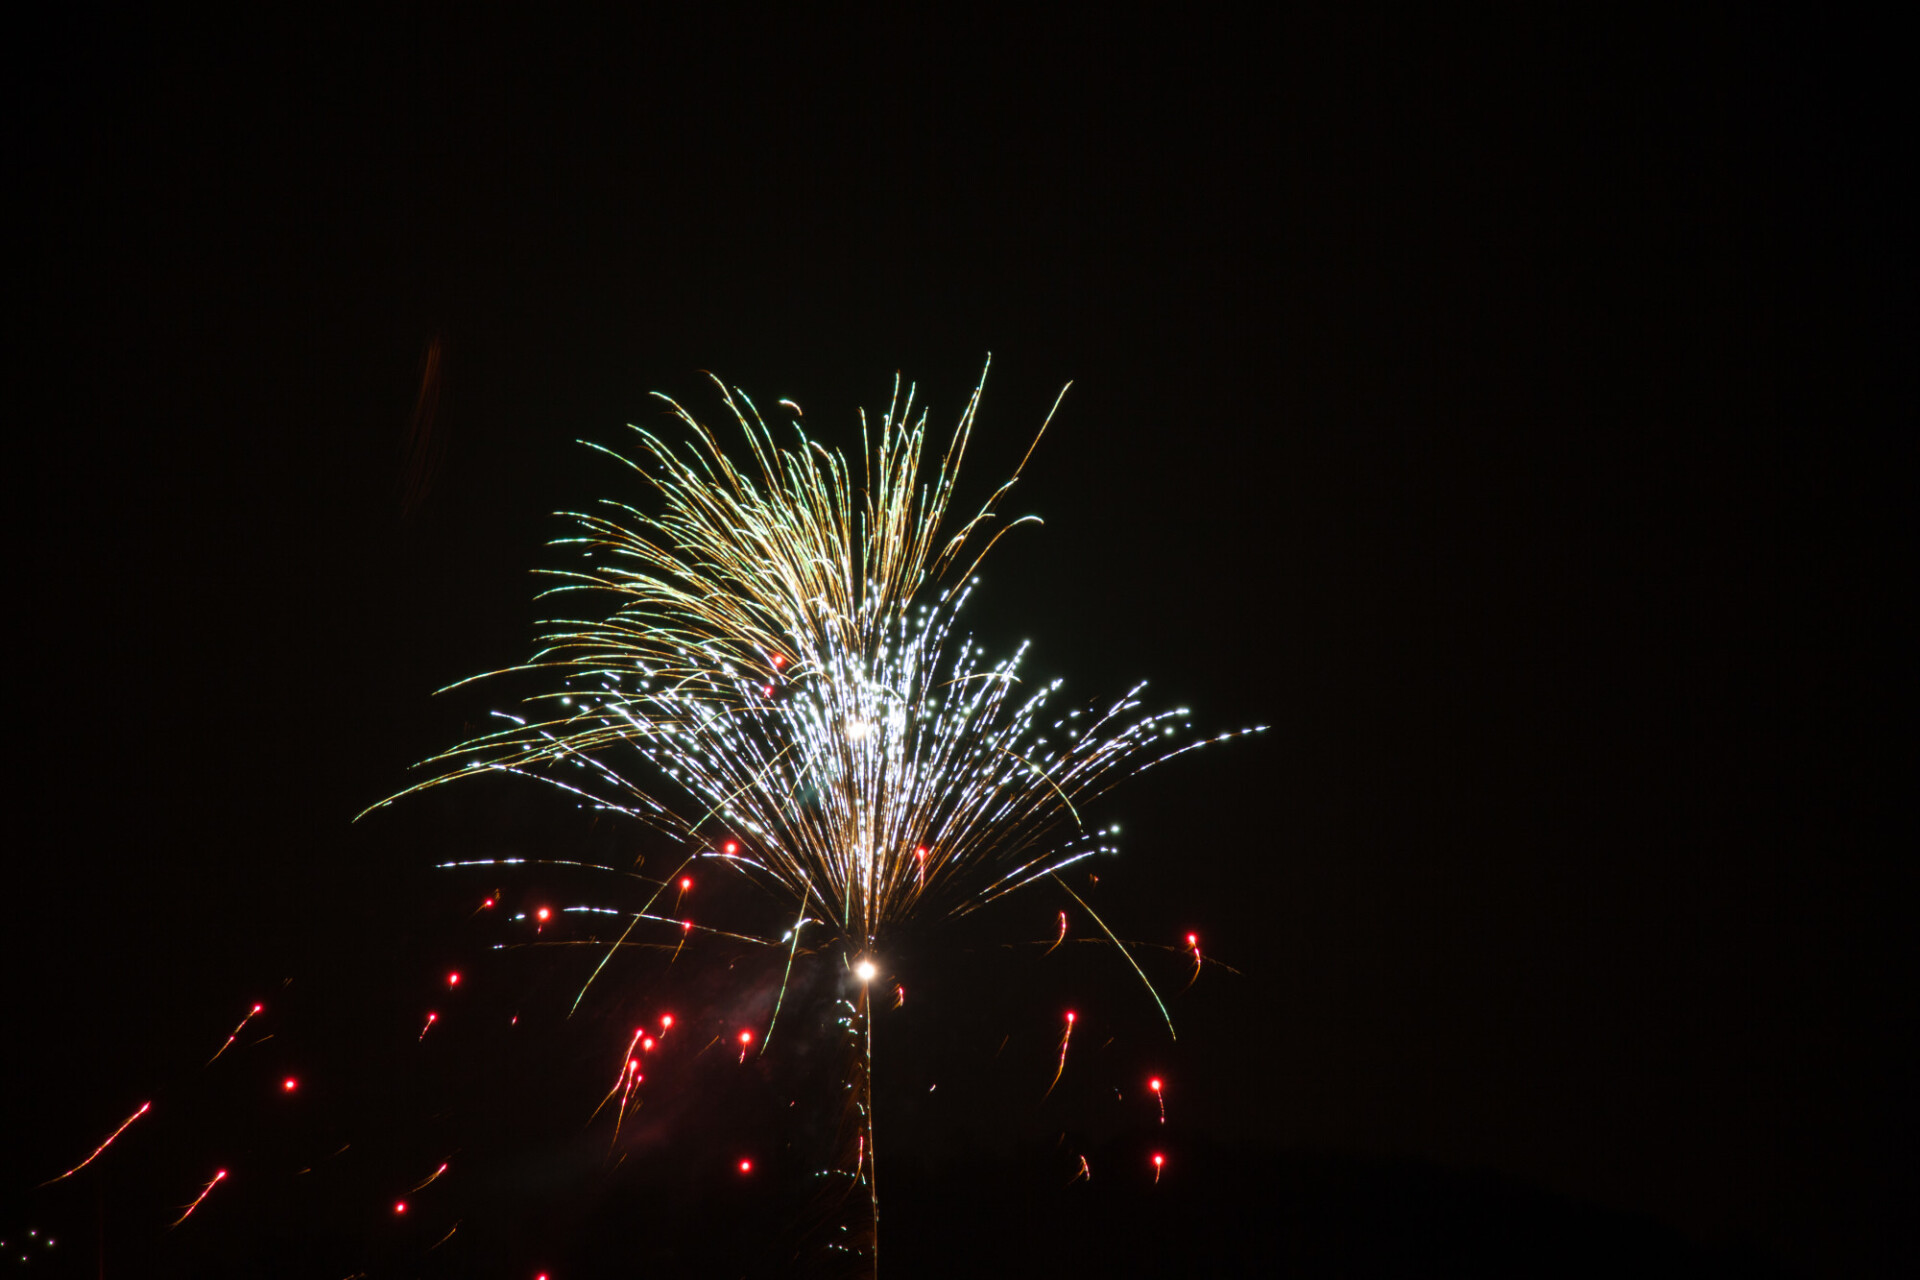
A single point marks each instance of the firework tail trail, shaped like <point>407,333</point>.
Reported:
<point>144,1108</point>
<point>228,1042</point>
<point>1065,1037</point>
<point>205,1191</point>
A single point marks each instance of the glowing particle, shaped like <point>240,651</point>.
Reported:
<point>731,846</point>
<point>453,980</point>
<point>1065,1037</point>
<point>289,1084</point>
<point>686,883</point>
<point>666,1022</point>
<point>431,1019</point>
<point>544,914</point>
<point>399,1206</point>
<point>103,1146</point>
<point>1159,1163</point>
<point>865,970</point>
<point>746,1166</point>
<point>251,1014</point>
<point>205,1191</point>
<point>1154,1084</point>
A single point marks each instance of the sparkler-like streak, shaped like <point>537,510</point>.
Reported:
<point>228,1042</point>
<point>1065,1037</point>
<point>144,1108</point>
<point>205,1191</point>
<point>781,668</point>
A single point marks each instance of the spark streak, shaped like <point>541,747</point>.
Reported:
<point>205,1191</point>
<point>102,1147</point>
<point>235,1036</point>
<point>429,1179</point>
<point>1065,1036</point>
<point>1063,935</point>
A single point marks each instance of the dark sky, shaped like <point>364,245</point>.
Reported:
<point>1494,413</point>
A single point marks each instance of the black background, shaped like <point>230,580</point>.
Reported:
<point>1496,412</point>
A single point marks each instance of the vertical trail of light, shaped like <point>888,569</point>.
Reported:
<point>144,1108</point>
<point>1193,945</point>
<point>1065,1037</point>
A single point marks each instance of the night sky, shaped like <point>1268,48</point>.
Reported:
<point>1494,413</point>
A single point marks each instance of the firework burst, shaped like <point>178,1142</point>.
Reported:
<point>773,678</point>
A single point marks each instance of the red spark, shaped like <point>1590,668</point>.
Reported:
<point>1159,1163</point>
<point>686,883</point>
<point>732,846</point>
<point>399,1206</point>
<point>746,1038</point>
<point>427,1180</point>
<point>204,1193</point>
<point>251,1014</point>
<point>289,1084</point>
<point>488,903</point>
<point>1065,1037</point>
<point>543,914</point>
<point>431,1019</point>
<point>103,1146</point>
<point>746,1166</point>
<point>1154,1084</point>
<point>453,980</point>
<point>646,1042</point>
<point>779,660</point>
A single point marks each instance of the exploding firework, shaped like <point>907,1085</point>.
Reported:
<point>775,680</point>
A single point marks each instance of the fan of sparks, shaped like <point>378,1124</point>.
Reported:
<point>772,675</point>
